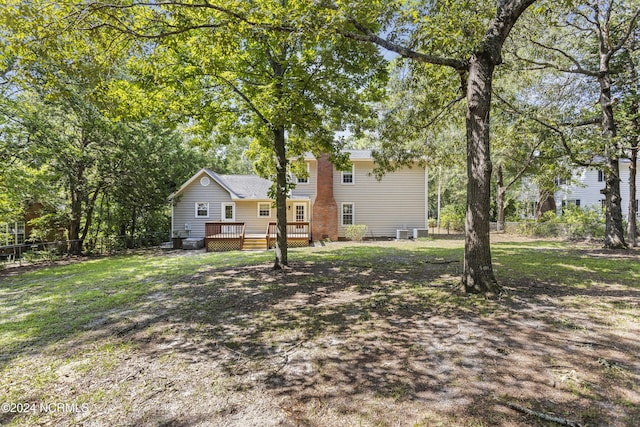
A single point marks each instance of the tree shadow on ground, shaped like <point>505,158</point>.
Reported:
<point>383,337</point>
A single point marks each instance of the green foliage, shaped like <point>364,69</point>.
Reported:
<point>355,232</point>
<point>452,217</point>
<point>575,222</point>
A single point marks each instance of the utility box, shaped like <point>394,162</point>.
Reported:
<point>192,243</point>
<point>402,234</point>
<point>420,232</point>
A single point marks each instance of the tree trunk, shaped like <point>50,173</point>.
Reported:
<point>132,230</point>
<point>281,199</point>
<point>614,230</point>
<point>632,226</point>
<point>478,276</point>
<point>546,203</point>
<point>76,183</point>
<point>500,194</point>
<point>75,244</point>
<point>89,209</point>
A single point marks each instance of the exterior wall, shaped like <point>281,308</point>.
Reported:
<point>309,189</point>
<point>587,189</point>
<point>396,202</point>
<point>247,212</point>
<point>184,207</point>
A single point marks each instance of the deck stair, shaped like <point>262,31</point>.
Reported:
<point>254,243</point>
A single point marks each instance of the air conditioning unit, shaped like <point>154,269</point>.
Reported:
<point>187,227</point>
<point>420,232</point>
<point>402,234</point>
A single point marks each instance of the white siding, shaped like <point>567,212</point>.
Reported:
<point>247,212</point>
<point>184,207</point>
<point>586,188</point>
<point>395,202</point>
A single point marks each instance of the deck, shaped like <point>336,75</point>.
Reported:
<point>229,236</point>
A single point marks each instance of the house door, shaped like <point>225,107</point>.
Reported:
<point>300,212</point>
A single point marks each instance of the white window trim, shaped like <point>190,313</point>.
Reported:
<point>353,176</point>
<point>353,213</point>
<point>263,216</point>
<point>196,210</point>
<point>222,211</point>
<point>305,211</point>
<point>308,176</point>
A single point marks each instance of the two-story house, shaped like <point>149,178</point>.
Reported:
<point>583,189</point>
<point>237,207</point>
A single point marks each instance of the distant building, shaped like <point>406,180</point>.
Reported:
<point>328,200</point>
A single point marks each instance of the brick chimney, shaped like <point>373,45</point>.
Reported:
<point>325,209</point>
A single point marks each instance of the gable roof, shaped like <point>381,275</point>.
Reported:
<point>239,187</point>
<point>248,186</point>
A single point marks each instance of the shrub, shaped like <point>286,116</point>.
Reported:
<point>452,217</point>
<point>573,223</point>
<point>584,223</point>
<point>355,232</point>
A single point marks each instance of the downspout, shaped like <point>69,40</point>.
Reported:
<point>426,198</point>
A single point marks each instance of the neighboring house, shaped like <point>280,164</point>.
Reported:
<point>18,232</point>
<point>320,206</point>
<point>583,189</point>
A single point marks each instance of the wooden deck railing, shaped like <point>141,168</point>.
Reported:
<point>224,236</point>
<point>298,234</point>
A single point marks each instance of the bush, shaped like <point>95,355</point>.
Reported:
<point>355,232</point>
<point>584,223</point>
<point>574,223</point>
<point>452,217</point>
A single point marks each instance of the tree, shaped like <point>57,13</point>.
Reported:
<point>607,27</point>
<point>630,132</point>
<point>242,69</point>
<point>77,118</point>
<point>474,61</point>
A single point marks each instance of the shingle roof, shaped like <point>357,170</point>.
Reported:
<point>359,154</point>
<point>247,186</point>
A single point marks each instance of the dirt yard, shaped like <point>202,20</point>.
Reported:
<point>376,335</point>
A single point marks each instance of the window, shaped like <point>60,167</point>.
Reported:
<point>228,211</point>
<point>13,233</point>
<point>348,216</point>
<point>571,202</point>
<point>600,176</point>
<point>300,213</point>
<point>264,210</point>
<point>202,210</point>
<point>20,232</point>
<point>560,181</point>
<point>305,180</point>
<point>348,176</point>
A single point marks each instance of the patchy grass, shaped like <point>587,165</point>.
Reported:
<point>352,334</point>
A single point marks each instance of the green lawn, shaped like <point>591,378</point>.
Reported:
<point>352,334</point>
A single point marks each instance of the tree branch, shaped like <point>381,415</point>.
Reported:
<point>366,35</point>
<point>544,64</point>
<point>246,99</point>
<point>555,129</point>
<point>543,416</point>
